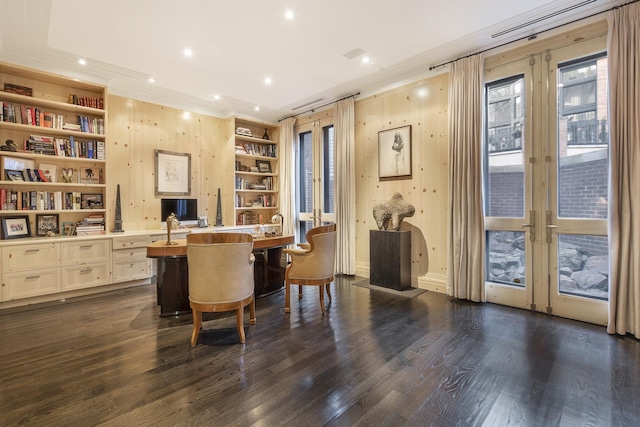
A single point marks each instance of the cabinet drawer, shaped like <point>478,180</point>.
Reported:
<point>130,242</point>
<point>30,284</point>
<point>128,254</point>
<point>28,257</point>
<point>131,269</point>
<point>85,276</point>
<point>85,251</point>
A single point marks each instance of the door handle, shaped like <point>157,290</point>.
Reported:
<point>531,226</point>
<point>549,227</point>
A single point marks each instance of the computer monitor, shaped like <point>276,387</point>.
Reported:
<point>186,210</point>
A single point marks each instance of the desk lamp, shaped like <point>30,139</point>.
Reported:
<point>274,220</point>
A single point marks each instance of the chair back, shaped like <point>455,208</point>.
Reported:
<point>220,267</point>
<point>320,263</point>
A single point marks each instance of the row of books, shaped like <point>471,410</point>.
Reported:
<point>39,200</point>
<point>32,175</point>
<point>64,147</point>
<point>265,184</point>
<point>93,224</point>
<point>249,217</point>
<point>263,200</point>
<point>266,150</point>
<point>87,101</point>
<point>34,116</point>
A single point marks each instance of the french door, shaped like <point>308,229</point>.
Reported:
<point>545,182</point>
<point>315,175</point>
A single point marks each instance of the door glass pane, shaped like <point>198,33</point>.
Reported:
<point>303,228</point>
<point>305,168</point>
<point>506,257</point>
<point>583,266</point>
<point>328,156</point>
<point>583,139</point>
<point>503,149</point>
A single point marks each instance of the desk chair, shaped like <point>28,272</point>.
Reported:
<point>313,264</point>
<point>220,277</point>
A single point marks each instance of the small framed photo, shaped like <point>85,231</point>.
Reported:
<point>11,175</point>
<point>264,166</point>
<point>91,201</point>
<point>394,153</point>
<point>68,228</point>
<point>46,223</point>
<point>15,227</point>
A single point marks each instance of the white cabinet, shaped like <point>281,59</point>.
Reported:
<point>85,263</point>
<point>129,258</point>
<point>30,270</point>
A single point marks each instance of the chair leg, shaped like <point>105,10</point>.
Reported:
<point>252,310</point>
<point>197,325</point>
<point>320,288</point>
<point>287,297</point>
<point>328,291</point>
<point>299,291</point>
<point>240,320</point>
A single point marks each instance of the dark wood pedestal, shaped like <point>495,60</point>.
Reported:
<point>390,259</point>
<point>268,271</point>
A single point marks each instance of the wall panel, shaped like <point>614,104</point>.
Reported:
<point>423,105</point>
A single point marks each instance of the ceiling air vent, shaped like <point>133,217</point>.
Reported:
<point>542,18</point>
<point>308,103</point>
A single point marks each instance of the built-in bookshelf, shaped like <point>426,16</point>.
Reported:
<point>53,141</point>
<point>256,172</point>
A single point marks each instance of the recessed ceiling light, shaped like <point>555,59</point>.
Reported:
<point>82,61</point>
<point>151,80</point>
<point>289,15</point>
<point>268,81</point>
<point>187,52</point>
<point>366,60</point>
<point>216,97</point>
<point>256,108</point>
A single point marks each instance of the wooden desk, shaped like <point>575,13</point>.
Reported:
<point>173,274</point>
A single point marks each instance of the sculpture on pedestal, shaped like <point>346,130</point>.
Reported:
<point>393,211</point>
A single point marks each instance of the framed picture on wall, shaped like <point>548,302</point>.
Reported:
<point>394,153</point>
<point>173,173</point>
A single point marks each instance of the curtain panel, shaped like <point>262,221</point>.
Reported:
<point>345,187</point>
<point>465,278</point>
<point>623,50</point>
<point>286,171</point>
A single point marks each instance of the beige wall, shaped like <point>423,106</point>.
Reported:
<point>135,130</point>
<point>423,105</point>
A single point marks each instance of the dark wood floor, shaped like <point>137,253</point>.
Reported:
<point>375,359</point>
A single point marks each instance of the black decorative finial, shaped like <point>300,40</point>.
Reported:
<point>117,222</point>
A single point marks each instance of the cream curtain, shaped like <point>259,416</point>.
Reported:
<point>623,47</point>
<point>345,186</point>
<point>286,171</point>
<point>465,279</point>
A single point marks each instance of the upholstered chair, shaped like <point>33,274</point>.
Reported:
<point>220,277</point>
<point>313,264</point>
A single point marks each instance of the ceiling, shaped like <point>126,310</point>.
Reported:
<point>313,59</point>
